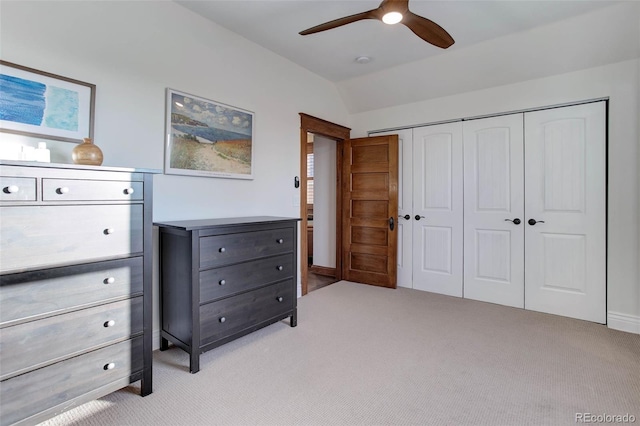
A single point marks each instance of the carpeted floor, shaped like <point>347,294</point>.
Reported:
<point>363,355</point>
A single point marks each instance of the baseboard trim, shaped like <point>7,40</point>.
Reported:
<point>623,322</point>
<point>323,270</point>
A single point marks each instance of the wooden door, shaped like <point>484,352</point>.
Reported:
<point>494,210</point>
<point>437,208</point>
<point>370,213</point>
<point>405,205</point>
<point>565,206</point>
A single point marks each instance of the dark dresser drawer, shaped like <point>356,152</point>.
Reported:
<point>39,236</point>
<point>229,280</point>
<point>90,190</point>
<point>41,293</point>
<point>17,189</point>
<point>28,394</point>
<point>37,343</point>
<point>231,315</point>
<point>226,249</point>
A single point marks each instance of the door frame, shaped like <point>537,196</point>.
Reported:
<point>311,124</point>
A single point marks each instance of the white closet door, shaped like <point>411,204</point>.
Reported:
<point>437,204</point>
<point>405,205</point>
<point>565,263</point>
<point>494,210</point>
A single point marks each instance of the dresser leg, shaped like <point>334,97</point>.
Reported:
<point>145,383</point>
<point>194,363</point>
<point>164,344</point>
<point>293,319</point>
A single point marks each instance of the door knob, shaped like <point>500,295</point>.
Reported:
<point>515,221</point>
<point>391,223</point>
<point>533,221</point>
<point>418,217</point>
<point>405,217</point>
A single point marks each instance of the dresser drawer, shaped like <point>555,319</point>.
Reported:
<point>39,236</point>
<point>17,189</point>
<point>90,190</point>
<point>31,393</point>
<point>229,280</point>
<point>45,292</point>
<point>233,248</point>
<point>233,314</point>
<point>37,343</point>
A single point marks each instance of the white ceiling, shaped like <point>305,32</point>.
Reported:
<point>275,24</point>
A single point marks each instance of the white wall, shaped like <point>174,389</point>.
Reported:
<point>620,83</point>
<point>133,51</point>
<point>324,202</point>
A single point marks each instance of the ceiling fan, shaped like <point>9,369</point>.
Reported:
<point>393,12</point>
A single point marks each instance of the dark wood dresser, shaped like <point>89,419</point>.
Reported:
<point>75,286</point>
<point>224,278</point>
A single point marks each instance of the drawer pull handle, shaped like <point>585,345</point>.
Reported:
<point>109,366</point>
<point>280,241</point>
<point>62,190</point>
<point>128,191</point>
<point>222,319</point>
<point>222,250</point>
<point>109,323</point>
<point>279,298</point>
<point>109,231</point>
<point>279,268</point>
<point>222,282</point>
<point>11,189</point>
<point>109,280</point>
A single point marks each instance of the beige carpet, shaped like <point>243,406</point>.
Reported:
<point>370,356</point>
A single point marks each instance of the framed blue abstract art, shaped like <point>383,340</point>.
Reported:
<point>44,105</point>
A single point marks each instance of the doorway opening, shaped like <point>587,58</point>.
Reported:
<point>330,137</point>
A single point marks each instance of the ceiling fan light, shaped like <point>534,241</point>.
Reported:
<point>392,18</point>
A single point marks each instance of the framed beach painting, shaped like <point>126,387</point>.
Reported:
<point>44,105</point>
<point>207,138</point>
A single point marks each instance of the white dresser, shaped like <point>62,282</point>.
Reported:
<point>75,286</point>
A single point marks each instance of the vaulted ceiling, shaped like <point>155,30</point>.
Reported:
<point>275,25</point>
<point>497,42</point>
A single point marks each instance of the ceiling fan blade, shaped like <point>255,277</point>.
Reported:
<point>427,30</point>
<point>394,5</point>
<point>371,14</point>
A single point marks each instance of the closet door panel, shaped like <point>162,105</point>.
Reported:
<point>437,208</point>
<point>566,197</point>
<point>494,210</point>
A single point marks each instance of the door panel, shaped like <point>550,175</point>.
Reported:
<point>566,195</point>
<point>436,255</point>
<point>405,206</point>
<point>493,198</point>
<point>437,204</point>
<point>370,200</point>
